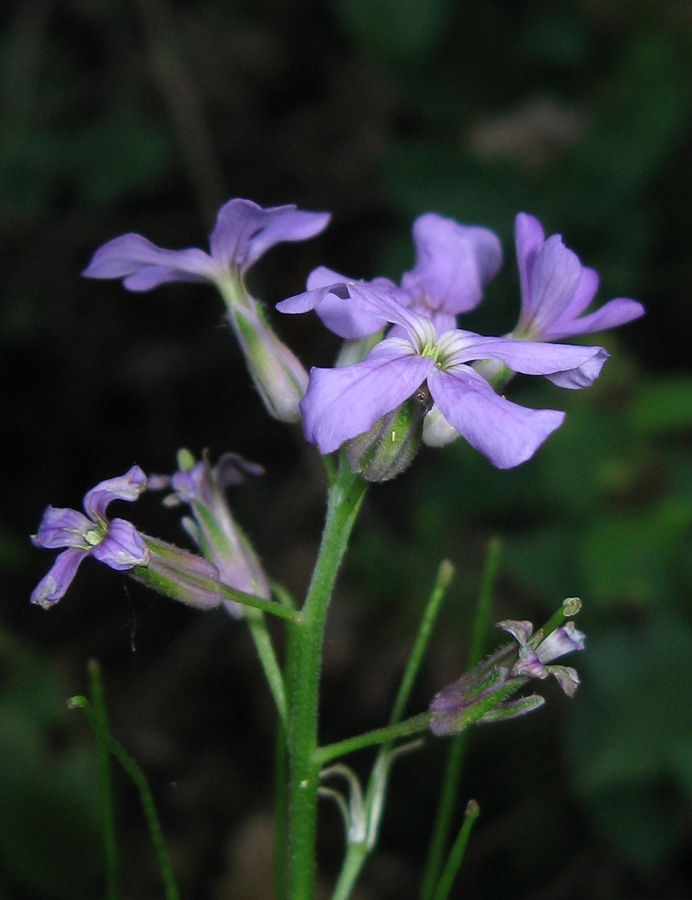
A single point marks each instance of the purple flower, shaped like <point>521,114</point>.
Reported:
<point>115,543</point>
<point>556,289</point>
<point>242,233</point>
<point>453,264</point>
<point>345,402</point>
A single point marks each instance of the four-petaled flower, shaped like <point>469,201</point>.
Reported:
<point>345,402</point>
<point>116,543</point>
<point>242,233</point>
<point>556,289</point>
<point>453,264</point>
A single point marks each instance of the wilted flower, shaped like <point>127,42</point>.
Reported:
<point>242,233</point>
<point>535,651</point>
<point>345,402</point>
<point>116,543</point>
<point>483,694</point>
<point>212,526</point>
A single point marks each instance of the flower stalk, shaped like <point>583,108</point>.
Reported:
<point>305,656</point>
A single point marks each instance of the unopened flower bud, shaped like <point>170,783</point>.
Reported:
<point>278,375</point>
<point>393,441</point>
<point>179,574</point>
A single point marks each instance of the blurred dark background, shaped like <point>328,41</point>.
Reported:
<point>146,115</point>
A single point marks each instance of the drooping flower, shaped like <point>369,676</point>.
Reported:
<point>484,693</point>
<point>345,402</point>
<point>556,289</point>
<point>242,233</point>
<point>212,526</point>
<point>116,543</point>
<point>453,264</point>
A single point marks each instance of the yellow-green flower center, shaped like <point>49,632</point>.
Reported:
<point>94,536</point>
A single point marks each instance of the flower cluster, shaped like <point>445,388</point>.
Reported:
<point>424,350</point>
<point>413,374</point>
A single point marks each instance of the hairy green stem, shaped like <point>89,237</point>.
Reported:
<point>305,652</point>
<point>267,657</point>
<point>389,733</point>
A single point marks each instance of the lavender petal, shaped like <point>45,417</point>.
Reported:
<point>125,487</point>
<point>54,585</point>
<point>62,528</point>
<point>342,403</point>
<point>506,433</point>
<point>144,266</point>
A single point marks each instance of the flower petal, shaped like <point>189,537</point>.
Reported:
<point>122,548</point>
<point>529,237</point>
<point>62,528</point>
<point>54,585</point>
<point>244,231</point>
<point>521,630</point>
<point>527,357</point>
<point>126,487</point>
<point>506,433</point>
<point>582,376</point>
<point>453,263</point>
<point>342,403</point>
<point>583,295</point>
<point>144,266</point>
<point>342,315</point>
<point>554,278</point>
<point>563,640</point>
<point>529,664</point>
<point>354,309</point>
<point>566,677</point>
<point>611,315</point>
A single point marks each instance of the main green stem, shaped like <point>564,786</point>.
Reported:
<point>305,655</point>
